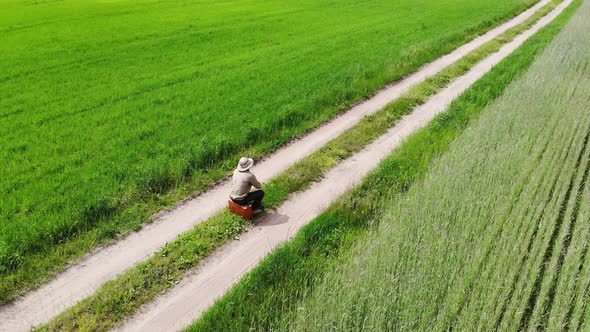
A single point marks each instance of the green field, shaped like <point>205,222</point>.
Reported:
<point>110,111</point>
<point>449,254</point>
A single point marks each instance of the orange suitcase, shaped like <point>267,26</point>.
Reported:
<point>244,211</point>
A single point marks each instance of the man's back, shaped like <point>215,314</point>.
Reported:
<point>242,182</point>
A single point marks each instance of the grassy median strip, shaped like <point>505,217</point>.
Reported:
<point>122,297</point>
<point>275,289</point>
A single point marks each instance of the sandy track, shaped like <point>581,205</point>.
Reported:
<point>84,278</point>
<point>187,301</point>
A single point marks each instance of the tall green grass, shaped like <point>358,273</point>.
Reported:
<point>482,241</point>
<point>110,111</point>
<point>276,288</point>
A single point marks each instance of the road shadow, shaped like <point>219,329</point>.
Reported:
<point>271,218</point>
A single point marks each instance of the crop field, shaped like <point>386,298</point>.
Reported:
<point>110,111</point>
<point>495,236</point>
<point>456,200</point>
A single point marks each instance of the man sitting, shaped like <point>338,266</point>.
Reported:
<point>242,182</point>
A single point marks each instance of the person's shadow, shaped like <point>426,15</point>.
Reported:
<point>272,218</point>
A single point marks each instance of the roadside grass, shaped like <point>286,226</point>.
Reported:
<point>142,105</point>
<point>107,306</point>
<point>481,240</point>
<point>278,287</point>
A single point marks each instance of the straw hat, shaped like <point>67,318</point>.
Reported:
<point>245,164</point>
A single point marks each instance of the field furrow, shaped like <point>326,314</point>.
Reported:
<point>555,267</point>
<point>578,312</point>
<point>563,292</point>
<point>503,230</point>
